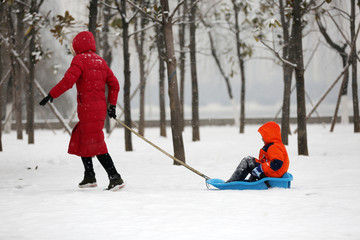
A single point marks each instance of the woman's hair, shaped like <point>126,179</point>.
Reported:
<point>71,46</point>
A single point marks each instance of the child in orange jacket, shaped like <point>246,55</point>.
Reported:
<point>273,159</point>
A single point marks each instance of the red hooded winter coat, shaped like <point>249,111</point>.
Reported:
<point>90,73</point>
<point>273,156</point>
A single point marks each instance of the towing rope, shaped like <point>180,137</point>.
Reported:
<point>163,151</point>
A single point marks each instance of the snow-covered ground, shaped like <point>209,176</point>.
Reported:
<point>39,198</point>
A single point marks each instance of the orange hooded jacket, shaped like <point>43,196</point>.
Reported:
<point>273,156</point>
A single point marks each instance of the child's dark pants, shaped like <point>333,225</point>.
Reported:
<point>245,167</point>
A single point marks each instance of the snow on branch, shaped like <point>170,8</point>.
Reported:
<point>142,11</point>
<point>342,33</point>
<point>277,54</point>
<point>185,12</point>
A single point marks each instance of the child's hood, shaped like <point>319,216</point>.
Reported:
<point>83,42</point>
<point>270,132</point>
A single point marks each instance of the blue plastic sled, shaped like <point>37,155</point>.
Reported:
<point>262,184</point>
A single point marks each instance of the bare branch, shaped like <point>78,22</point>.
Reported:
<point>339,29</point>
<point>144,29</point>
<point>318,6</point>
<point>312,55</point>
<point>132,18</point>
<point>108,5</point>
<point>210,8</point>
<point>23,3</point>
<point>342,34</point>
<point>278,55</point>
<point>5,77</point>
<point>338,78</point>
<point>176,8</point>
<point>342,11</point>
<point>185,12</point>
<point>119,10</point>
<point>142,11</point>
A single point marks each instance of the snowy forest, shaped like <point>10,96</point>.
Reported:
<point>293,58</point>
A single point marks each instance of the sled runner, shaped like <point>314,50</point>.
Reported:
<point>264,183</point>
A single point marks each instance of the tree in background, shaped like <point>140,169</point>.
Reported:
<point>211,19</point>
<point>237,7</point>
<point>104,43</point>
<point>182,58</point>
<point>195,122</point>
<point>161,59</point>
<point>124,23</point>
<point>22,23</point>
<point>299,76</point>
<point>14,33</point>
<point>288,69</point>
<point>139,38</point>
<point>2,54</point>
<point>167,26</point>
<point>34,23</point>
<point>176,128</point>
<point>354,70</point>
<point>93,11</point>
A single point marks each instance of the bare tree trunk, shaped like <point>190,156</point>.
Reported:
<point>2,55</point>
<point>344,82</point>
<point>161,53</point>
<point>178,144</point>
<point>139,43</point>
<point>30,104</point>
<point>241,67</point>
<point>218,63</point>
<point>287,76</point>
<point>107,52</point>
<point>14,75</point>
<point>1,99</point>
<point>127,78</point>
<point>19,43</point>
<point>344,57</point>
<point>285,117</point>
<point>1,105</point>
<point>242,97</point>
<point>194,82</point>
<point>354,71</point>
<point>9,98</point>
<point>300,83</point>
<point>93,16</point>
<point>182,31</point>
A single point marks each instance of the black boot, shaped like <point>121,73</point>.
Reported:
<point>89,175</point>
<point>116,181</point>
<point>89,180</point>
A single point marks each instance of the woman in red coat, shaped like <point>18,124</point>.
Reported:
<point>90,73</point>
<point>273,158</point>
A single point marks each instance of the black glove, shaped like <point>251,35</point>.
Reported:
<point>46,99</point>
<point>111,109</point>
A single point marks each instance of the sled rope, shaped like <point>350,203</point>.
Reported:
<point>163,151</point>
